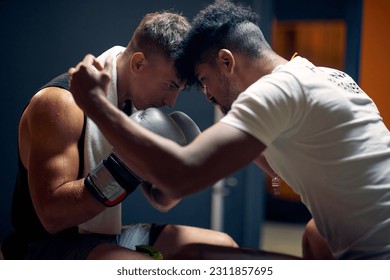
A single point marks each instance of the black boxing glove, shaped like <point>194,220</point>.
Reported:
<point>111,181</point>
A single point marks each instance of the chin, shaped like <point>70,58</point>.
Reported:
<point>224,110</point>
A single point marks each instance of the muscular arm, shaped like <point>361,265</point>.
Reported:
<point>48,136</point>
<point>177,170</point>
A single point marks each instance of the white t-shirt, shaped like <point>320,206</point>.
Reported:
<point>326,139</point>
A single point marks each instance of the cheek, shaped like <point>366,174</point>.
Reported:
<point>150,93</point>
<point>222,85</point>
<point>146,88</point>
<point>140,96</point>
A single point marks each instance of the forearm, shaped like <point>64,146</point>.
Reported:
<point>67,206</point>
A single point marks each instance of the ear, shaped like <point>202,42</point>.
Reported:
<point>226,61</point>
<point>137,61</point>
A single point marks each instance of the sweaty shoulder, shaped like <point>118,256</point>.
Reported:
<point>52,118</point>
<point>54,106</point>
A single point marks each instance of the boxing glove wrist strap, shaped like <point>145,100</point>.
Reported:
<point>110,182</point>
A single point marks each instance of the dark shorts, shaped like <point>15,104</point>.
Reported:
<point>76,246</point>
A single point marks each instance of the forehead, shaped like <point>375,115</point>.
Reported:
<point>162,65</point>
<point>163,69</point>
<point>159,60</point>
<point>202,68</point>
<point>205,70</point>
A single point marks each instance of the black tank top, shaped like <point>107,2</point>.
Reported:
<point>27,227</point>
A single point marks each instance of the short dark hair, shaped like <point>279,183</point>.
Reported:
<point>220,25</point>
<point>161,33</point>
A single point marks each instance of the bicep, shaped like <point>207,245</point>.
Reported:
<point>53,156</point>
<point>49,168</point>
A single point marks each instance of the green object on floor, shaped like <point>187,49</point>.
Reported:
<point>149,251</point>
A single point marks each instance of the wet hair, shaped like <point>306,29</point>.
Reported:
<point>220,25</point>
<point>160,33</point>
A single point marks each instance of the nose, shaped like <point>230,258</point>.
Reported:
<point>209,97</point>
<point>205,90</point>
<point>170,99</point>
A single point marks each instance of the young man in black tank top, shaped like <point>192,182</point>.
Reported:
<point>51,200</point>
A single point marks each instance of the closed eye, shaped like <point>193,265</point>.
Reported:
<point>200,85</point>
<point>171,85</point>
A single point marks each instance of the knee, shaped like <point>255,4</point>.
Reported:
<point>109,251</point>
<point>307,250</point>
<point>314,246</point>
<point>223,239</point>
<point>183,235</point>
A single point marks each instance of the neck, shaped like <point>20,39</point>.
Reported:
<point>255,69</point>
<point>267,64</point>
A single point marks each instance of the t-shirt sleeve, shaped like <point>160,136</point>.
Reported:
<point>269,108</point>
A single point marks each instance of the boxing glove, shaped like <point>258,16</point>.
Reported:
<point>188,127</point>
<point>177,126</point>
<point>111,181</point>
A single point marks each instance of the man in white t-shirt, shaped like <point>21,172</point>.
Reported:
<point>311,126</point>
